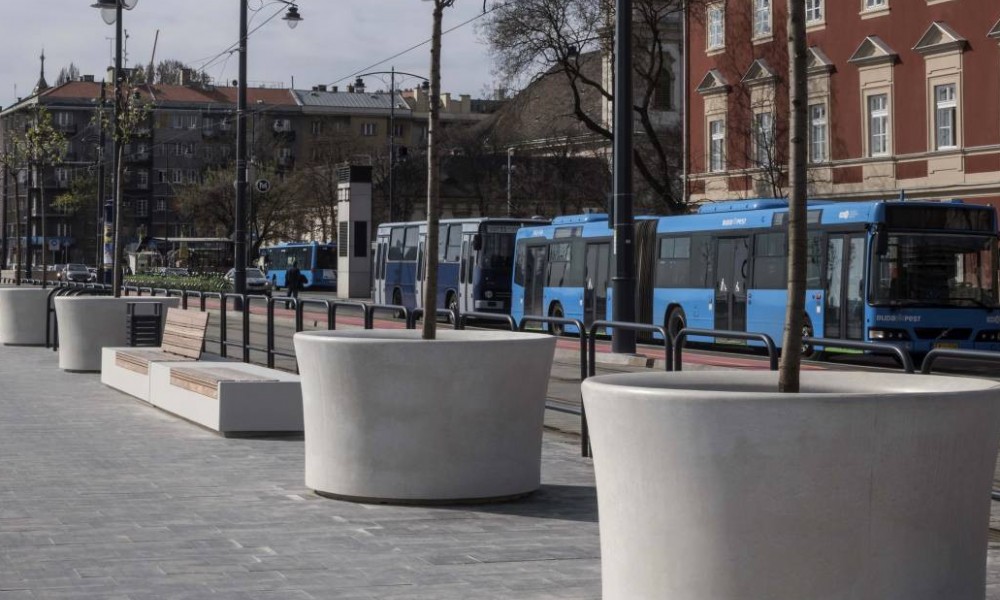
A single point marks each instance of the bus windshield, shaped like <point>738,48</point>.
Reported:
<point>950,270</point>
<point>498,251</point>
<point>326,257</point>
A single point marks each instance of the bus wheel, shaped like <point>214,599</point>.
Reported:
<point>557,329</point>
<point>675,322</point>
<point>397,300</point>
<point>452,303</point>
<point>808,350</point>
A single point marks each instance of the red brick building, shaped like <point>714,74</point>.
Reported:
<point>904,95</point>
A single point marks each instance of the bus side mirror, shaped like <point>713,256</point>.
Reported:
<point>881,242</point>
<point>477,242</point>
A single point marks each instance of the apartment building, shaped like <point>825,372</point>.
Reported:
<point>904,99</point>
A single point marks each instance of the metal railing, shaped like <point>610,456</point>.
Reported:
<point>681,338</point>
<point>884,348</point>
<point>418,313</point>
<point>464,318</point>
<point>936,353</point>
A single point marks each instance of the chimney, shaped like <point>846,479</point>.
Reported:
<point>321,88</point>
<point>111,74</point>
<point>350,89</point>
<point>466,103</point>
<point>335,90</point>
<point>88,78</point>
<point>446,101</point>
<point>359,85</point>
<point>187,77</point>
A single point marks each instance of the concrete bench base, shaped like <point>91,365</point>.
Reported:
<point>132,382</point>
<point>271,403</point>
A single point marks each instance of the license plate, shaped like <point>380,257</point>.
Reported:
<point>947,345</point>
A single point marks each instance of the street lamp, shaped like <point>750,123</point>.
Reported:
<point>623,283</point>
<point>392,121</point>
<point>292,18</point>
<point>111,12</point>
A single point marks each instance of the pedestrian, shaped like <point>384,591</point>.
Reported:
<point>293,281</point>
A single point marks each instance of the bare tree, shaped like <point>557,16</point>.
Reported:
<point>44,147</point>
<point>791,354</point>
<point>12,158</point>
<point>560,36</point>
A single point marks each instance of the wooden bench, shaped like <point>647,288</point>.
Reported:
<point>127,369</point>
<point>183,338</point>
<point>206,381</point>
<point>228,397</point>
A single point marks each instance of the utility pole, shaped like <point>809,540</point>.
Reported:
<point>623,283</point>
<point>510,167</point>
<point>99,260</point>
<point>239,233</point>
<point>392,138</point>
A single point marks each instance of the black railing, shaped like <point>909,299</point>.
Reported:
<point>464,318</point>
<point>681,338</point>
<point>885,348</point>
<point>936,353</point>
<point>418,313</point>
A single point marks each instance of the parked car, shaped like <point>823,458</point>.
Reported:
<point>176,271</point>
<point>57,269</point>
<point>257,282</point>
<point>75,272</point>
<point>93,273</point>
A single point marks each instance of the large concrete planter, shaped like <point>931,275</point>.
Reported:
<point>89,323</point>
<point>393,418</point>
<point>864,486</point>
<point>22,315</point>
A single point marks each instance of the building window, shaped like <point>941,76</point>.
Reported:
<point>875,4</point>
<point>64,119</point>
<point>368,129</point>
<point>814,11</point>
<point>142,180</point>
<point>62,177</point>
<point>716,27</point>
<point>282,125</point>
<point>763,138</point>
<point>663,98</point>
<point>716,145</point>
<point>945,113</point>
<point>161,205</point>
<point>192,176</point>
<point>761,18</point>
<point>817,133</point>
<point>397,131</point>
<point>141,207</point>
<point>878,125</point>
<point>177,176</point>
<point>317,127</point>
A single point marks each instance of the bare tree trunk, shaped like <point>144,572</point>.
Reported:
<point>117,263</point>
<point>40,180</point>
<point>791,353</point>
<point>17,230</point>
<point>433,181</point>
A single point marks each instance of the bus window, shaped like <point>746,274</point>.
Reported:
<point>396,244</point>
<point>453,252</point>
<point>560,256</point>
<point>519,264</point>
<point>814,260</point>
<point>770,260</point>
<point>326,258</point>
<point>673,263</point>
<point>410,244</point>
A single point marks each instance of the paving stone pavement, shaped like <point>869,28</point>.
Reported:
<point>102,496</point>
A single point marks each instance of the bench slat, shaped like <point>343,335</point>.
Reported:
<point>206,381</point>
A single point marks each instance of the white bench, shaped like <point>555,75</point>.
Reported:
<point>127,368</point>
<point>228,397</point>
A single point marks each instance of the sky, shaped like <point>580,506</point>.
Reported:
<point>336,39</point>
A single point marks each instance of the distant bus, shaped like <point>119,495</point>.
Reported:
<point>474,270</point>
<point>921,274</point>
<point>197,254</point>
<point>317,261</point>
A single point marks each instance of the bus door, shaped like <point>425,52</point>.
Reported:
<point>466,301</point>
<point>731,275</point>
<point>845,267</point>
<point>595,292</point>
<point>418,284</point>
<point>534,279</point>
<point>379,271</point>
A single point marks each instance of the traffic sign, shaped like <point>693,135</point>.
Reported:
<point>263,186</point>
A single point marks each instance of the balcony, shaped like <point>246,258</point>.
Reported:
<point>284,135</point>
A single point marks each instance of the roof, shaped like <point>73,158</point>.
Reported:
<point>349,100</point>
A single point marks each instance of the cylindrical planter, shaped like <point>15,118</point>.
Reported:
<point>22,315</point>
<point>868,486</point>
<point>390,417</point>
<point>89,323</point>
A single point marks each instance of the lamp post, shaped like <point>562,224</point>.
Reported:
<point>623,283</point>
<point>392,122</point>
<point>510,167</point>
<point>292,17</point>
<point>111,12</point>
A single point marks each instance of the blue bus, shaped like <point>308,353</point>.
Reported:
<point>474,263</point>
<point>921,274</point>
<point>317,261</point>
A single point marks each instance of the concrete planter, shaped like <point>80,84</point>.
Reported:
<point>22,315</point>
<point>89,323</point>
<point>864,486</point>
<point>390,417</point>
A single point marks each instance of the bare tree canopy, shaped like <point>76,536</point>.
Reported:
<point>532,38</point>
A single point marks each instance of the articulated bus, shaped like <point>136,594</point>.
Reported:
<point>474,268</point>
<point>921,274</point>
<point>317,261</point>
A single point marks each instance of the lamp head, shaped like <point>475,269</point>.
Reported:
<point>292,16</point>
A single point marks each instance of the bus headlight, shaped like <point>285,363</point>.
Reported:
<point>887,335</point>
<point>988,335</point>
<point>489,294</point>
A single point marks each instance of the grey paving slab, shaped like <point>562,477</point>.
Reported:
<point>102,496</point>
